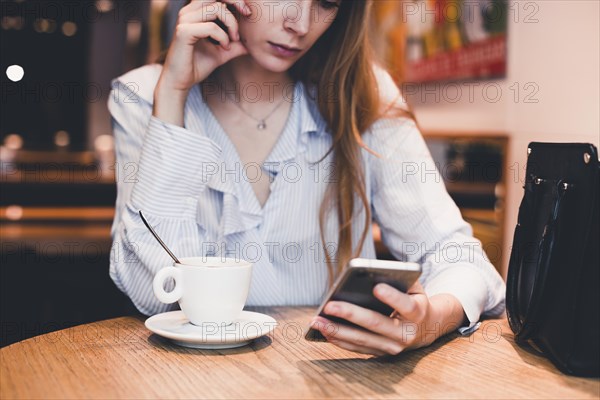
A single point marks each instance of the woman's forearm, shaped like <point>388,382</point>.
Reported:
<point>169,104</point>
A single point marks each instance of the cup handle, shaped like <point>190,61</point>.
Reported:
<point>159,281</point>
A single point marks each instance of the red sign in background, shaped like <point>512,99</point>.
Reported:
<point>484,59</point>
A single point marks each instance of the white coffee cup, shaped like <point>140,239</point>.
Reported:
<point>210,290</point>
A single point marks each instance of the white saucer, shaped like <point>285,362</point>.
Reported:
<point>175,326</point>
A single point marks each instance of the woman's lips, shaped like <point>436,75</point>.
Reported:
<point>283,50</point>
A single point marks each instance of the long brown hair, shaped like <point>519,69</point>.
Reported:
<point>340,65</point>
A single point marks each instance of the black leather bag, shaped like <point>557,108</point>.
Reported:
<point>553,284</point>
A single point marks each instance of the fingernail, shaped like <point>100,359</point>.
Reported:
<point>332,309</point>
<point>247,10</point>
<point>383,289</point>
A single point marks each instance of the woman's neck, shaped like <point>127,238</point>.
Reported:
<point>251,82</point>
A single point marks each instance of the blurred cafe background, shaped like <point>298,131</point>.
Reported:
<point>484,78</point>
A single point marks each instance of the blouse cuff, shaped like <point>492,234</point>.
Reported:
<point>467,286</point>
<point>175,166</point>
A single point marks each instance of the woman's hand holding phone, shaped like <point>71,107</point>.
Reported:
<point>192,57</point>
<point>416,322</point>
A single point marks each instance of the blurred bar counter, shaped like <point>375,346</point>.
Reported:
<point>56,210</point>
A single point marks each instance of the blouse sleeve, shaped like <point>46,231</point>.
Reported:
<point>160,169</point>
<point>421,223</point>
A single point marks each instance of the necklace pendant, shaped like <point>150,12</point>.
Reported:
<point>261,125</point>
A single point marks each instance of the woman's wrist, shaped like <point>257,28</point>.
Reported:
<point>447,313</point>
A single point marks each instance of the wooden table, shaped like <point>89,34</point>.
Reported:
<point>120,358</point>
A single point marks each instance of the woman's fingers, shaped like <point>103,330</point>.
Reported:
<point>368,319</point>
<point>212,12</point>
<point>191,33</point>
<point>364,341</point>
<point>411,306</point>
<point>236,49</point>
<point>194,5</point>
<point>240,5</point>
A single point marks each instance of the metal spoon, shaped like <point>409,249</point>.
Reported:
<point>158,238</point>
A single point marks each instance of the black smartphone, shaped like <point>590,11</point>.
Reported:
<point>222,25</point>
<point>356,284</point>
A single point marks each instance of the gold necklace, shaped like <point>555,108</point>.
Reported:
<point>262,122</point>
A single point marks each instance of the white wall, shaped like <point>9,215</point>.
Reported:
<point>555,47</point>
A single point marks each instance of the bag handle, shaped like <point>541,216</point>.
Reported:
<point>517,256</point>
<point>524,327</point>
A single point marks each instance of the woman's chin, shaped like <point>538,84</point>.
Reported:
<point>274,64</point>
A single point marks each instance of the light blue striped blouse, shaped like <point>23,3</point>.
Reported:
<point>193,188</point>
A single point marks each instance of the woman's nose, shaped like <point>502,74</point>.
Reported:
<point>297,15</point>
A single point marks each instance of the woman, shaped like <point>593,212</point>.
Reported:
<point>276,138</point>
